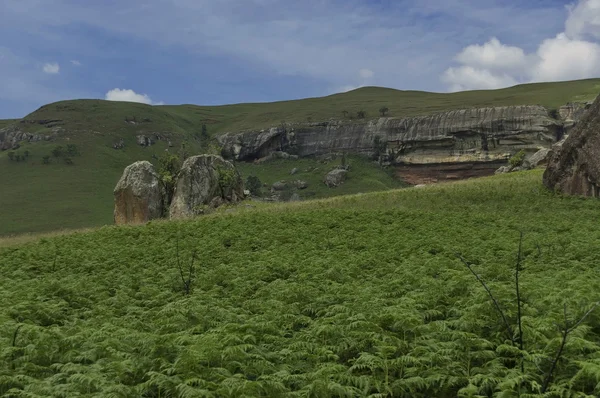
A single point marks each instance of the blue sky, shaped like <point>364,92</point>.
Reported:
<point>216,52</point>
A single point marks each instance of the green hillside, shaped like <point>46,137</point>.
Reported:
<point>42,197</point>
<point>110,116</point>
<point>356,296</point>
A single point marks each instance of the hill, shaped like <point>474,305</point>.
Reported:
<point>43,197</point>
<point>357,296</point>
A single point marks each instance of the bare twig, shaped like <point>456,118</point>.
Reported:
<point>509,329</point>
<point>187,283</point>
<point>517,269</point>
<point>14,344</point>
<point>564,331</point>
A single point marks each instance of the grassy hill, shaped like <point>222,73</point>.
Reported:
<point>43,197</point>
<point>355,296</point>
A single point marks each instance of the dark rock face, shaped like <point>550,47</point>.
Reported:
<point>205,181</point>
<point>574,168</point>
<point>139,195</point>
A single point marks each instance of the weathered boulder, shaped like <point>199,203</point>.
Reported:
<point>539,158</point>
<point>300,184</point>
<point>335,177</point>
<point>294,171</point>
<point>279,186</point>
<point>143,140</point>
<point>574,168</point>
<point>205,181</point>
<point>139,195</point>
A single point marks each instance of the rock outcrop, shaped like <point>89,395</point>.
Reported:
<point>537,159</point>
<point>205,181</point>
<point>574,168</point>
<point>11,137</point>
<point>139,195</point>
<point>468,135</point>
<point>335,177</point>
<point>572,112</point>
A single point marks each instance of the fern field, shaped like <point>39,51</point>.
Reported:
<point>361,296</point>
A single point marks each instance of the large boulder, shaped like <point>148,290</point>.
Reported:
<point>139,195</point>
<point>205,181</point>
<point>539,158</point>
<point>574,168</point>
<point>335,177</point>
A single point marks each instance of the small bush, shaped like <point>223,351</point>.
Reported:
<point>517,159</point>
<point>254,185</point>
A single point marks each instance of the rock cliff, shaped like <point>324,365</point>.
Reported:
<point>574,168</point>
<point>479,134</point>
<point>477,139</point>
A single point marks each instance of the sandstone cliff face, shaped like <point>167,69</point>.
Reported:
<point>469,135</point>
<point>574,168</point>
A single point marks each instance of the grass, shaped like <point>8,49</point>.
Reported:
<point>364,176</point>
<point>353,296</point>
<point>38,198</point>
<point>97,115</point>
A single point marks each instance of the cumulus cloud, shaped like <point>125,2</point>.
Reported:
<point>572,54</point>
<point>51,68</point>
<point>493,55</point>
<point>584,20</point>
<point>467,77</point>
<point>562,58</point>
<point>75,62</point>
<point>117,94</point>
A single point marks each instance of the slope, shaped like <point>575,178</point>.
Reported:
<point>353,296</point>
<point>42,197</point>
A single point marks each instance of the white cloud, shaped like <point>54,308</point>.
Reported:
<point>470,78</point>
<point>493,55</point>
<point>51,68</point>
<point>117,94</point>
<point>568,56</point>
<point>584,20</point>
<point>564,59</point>
<point>75,62</point>
<point>366,73</point>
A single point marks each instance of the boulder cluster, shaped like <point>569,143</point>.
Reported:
<point>203,183</point>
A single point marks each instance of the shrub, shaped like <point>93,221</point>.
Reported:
<point>361,114</point>
<point>68,161</point>
<point>383,110</point>
<point>58,151</point>
<point>46,159</point>
<point>254,185</point>
<point>72,150</point>
<point>168,167</point>
<point>517,159</point>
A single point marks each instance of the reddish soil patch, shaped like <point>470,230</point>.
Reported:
<point>437,172</point>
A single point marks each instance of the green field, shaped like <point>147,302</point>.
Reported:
<point>355,296</point>
<point>36,197</point>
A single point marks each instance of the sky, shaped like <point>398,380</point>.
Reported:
<point>211,52</point>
